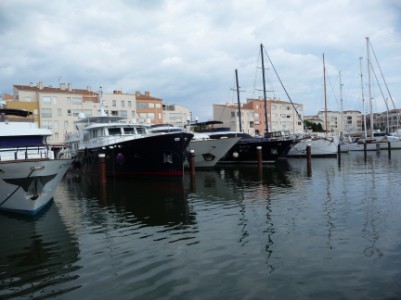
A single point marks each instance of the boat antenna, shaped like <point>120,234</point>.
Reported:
<point>102,110</point>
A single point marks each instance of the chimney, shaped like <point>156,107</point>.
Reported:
<point>62,86</point>
<point>147,94</point>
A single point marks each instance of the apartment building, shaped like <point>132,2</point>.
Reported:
<point>54,108</point>
<point>149,108</point>
<point>350,123</point>
<point>229,115</point>
<point>281,116</point>
<point>176,114</point>
<point>57,108</point>
<point>389,121</point>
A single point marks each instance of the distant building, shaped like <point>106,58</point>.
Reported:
<point>176,114</point>
<point>149,109</point>
<point>57,108</point>
<point>281,116</point>
<point>54,108</point>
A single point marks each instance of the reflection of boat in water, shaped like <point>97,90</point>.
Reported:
<point>37,255</point>
<point>153,203</point>
<point>29,172</point>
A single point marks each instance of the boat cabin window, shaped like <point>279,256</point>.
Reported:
<point>96,133</point>
<point>141,130</point>
<point>129,130</point>
<point>114,131</point>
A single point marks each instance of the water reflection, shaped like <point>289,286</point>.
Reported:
<point>153,203</point>
<point>37,256</point>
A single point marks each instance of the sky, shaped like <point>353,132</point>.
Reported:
<point>186,52</point>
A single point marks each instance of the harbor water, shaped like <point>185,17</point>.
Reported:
<point>286,231</point>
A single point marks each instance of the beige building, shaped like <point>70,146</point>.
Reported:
<point>350,123</point>
<point>57,108</point>
<point>281,116</point>
<point>176,114</point>
<point>229,115</point>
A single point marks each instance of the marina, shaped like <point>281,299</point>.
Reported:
<point>290,230</point>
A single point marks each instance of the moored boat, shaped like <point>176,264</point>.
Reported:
<point>207,151</point>
<point>29,171</point>
<point>129,149</point>
<point>245,151</point>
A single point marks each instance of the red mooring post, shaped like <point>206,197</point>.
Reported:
<point>102,167</point>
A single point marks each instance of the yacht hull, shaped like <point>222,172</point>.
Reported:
<point>151,155</point>
<point>28,186</point>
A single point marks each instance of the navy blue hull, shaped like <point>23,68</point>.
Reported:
<point>156,155</point>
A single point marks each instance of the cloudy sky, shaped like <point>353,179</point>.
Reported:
<point>186,52</point>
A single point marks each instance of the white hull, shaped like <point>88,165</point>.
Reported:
<point>209,151</point>
<point>320,147</point>
<point>27,186</point>
<point>374,146</point>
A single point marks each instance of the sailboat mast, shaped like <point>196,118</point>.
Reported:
<point>369,87</point>
<point>238,101</point>
<point>325,97</point>
<point>363,98</point>
<point>264,90</point>
<point>342,109</point>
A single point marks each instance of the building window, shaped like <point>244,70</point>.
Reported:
<point>151,105</point>
<point>46,112</point>
<point>46,124</point>
<point>59,112</point>
<point>76,100</point>
<point>129,103</point>
<point>122,103</point>
<point>140,105</point>
<point>114,103</point>
<point>46,100</point>
<point>123,113</point>
<point>158,105</point>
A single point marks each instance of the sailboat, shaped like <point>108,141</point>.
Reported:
<point>246,149</point>
<point>321,145</point>
<point>377,140</point>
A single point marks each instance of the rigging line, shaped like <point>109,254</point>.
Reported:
<point>380,88</point>
<point>384,80</point>
<point>285,90</point>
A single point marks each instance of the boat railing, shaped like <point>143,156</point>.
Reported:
<point>25,153</point>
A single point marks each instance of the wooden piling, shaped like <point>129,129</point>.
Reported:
<point>192,162</point>
<point>309,159</point>
<point>389,149</point>
<point>102,167</point>
<point>364,151</point>
<point>259,156</point>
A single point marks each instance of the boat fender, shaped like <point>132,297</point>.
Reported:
<point>235,154</point>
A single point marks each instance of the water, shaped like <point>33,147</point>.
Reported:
<point>289,232</point>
